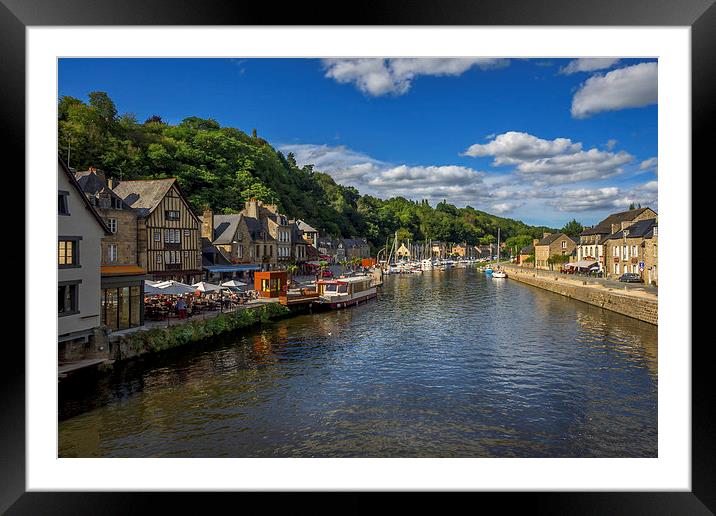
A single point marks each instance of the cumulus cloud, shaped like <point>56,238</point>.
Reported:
<point>588,64</point>
<point>550,161</point>
<point>651,164</point>
<point>506,207</point>
<point>629,87</point>
<point>376,76</point>
<point>514,147</point>
<point>383,179</point>
<point>611,144</point>
<point>605,199</point>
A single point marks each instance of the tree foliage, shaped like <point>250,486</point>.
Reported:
<point>222,167</point>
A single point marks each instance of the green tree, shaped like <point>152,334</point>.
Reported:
<point>572,228</point>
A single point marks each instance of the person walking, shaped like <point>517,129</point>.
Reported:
<point>181,308</point>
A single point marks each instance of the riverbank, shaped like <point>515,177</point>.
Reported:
<point>133,345</point>
<point>632,303</point>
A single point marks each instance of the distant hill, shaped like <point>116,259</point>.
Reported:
<point>221,167</point>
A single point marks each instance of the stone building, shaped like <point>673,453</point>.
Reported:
<point>356,247</point>
<point>403,253</point>
<point>80,230</point>
<point>168,231</point>
<point>299,245</point>
<point>627,250</point>
<point>122,294</point>
<point>591,239</point>
<point>552,244</point>
<point>309,233</point>
<point>523,256</point>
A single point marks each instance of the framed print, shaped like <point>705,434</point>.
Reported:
<point>418,251</point>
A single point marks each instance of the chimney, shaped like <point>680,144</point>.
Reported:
<point>272,208</point>
<point>252,208</point>
<point>535,241</point>
<point>110,183</point>
<point>207,225</point>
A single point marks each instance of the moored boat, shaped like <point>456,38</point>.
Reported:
<point>344,292</point>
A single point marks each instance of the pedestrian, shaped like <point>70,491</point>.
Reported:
<point>181,308</point>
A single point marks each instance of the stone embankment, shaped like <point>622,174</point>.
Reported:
<point>132,345</point>
<point>637,304</point>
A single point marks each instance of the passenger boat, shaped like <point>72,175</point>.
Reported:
<point>499,274</point>
<point>344,292</point>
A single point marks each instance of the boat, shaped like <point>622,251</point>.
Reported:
<point>344,292</point>
<point>499,274</point>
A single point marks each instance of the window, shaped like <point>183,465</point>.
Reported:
<point>68,252</point>
<point>564,244</point>
<point>616,268</point>
<point>104,202</point>
<point>157,235</point>
<point>634,251</point>
<point>186,254</point>
<point>172,215</point>
<point>112,252</point>
<point>63,204</point>
<point>112,225</point>
<point>187,232</point>
<point>68,298</point>
<point>656,232</point>
<point>172,236</point>
<point>159,258</point>
<point>116,203</point>
<point>625,252</point>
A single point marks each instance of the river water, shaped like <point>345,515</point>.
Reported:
<point>443,364</point>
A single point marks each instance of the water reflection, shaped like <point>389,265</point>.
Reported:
<point>444,364</point>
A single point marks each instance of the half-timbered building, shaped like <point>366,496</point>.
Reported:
<point>168,231</point>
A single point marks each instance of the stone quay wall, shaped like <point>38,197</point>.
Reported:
<point>642,307</point>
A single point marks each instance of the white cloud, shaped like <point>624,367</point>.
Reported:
<point>605,199</point>
<point>505,207</point>
<point>376,76</point>
<point>550,161</point>
<point>383,179</point>
<point>513,147</point>
<point>588,64</point>
<point>629,87</point>
<point>650,164</point>
<point>611,144</point>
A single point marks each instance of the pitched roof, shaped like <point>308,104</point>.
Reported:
<point>354,242</point>
<point>554,236</point>
<point>88,205</point>
<point>92,184</point>
<point>605,226</point>
<point>642,228</point>
<point>225,228</point>
<point>527,250</point>
<point>207,248</point>
<point>256,227</point>
<point>303,226</point>
<point>145,194</point>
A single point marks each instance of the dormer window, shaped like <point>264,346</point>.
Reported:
<point>63,204</point>
<point>172,215</point>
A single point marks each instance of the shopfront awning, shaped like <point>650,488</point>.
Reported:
<point>231,268</point>
<point>583,264</point>
<point>121,270</point>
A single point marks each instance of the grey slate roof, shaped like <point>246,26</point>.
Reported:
<point>73,180</point>
<point>144,195</point>
<point>554,236</point>
<point>605,226</point>
<point>225,228</point>
<point>527,250</point>
<point>642,228</point>
<point>303,226</point>
<point>256,227</point>
<point>93,185</point>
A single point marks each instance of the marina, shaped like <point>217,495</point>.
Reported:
<point>383,379</point>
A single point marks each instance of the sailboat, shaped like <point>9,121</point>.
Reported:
<point>498,273</point>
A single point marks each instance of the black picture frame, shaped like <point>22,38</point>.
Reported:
<point>17,15</point>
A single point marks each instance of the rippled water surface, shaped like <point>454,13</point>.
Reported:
<point>443,364</point>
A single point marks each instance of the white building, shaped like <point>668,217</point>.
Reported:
<point>80,230</point>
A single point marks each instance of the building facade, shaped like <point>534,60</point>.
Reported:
<point>634,249</point>
<point>80,230</point>
<point>122,294</point>
<point>552,244</point>
<point>591,240</point>
<point>168,231</point>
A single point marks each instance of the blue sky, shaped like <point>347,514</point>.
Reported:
<point>541,140</point>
